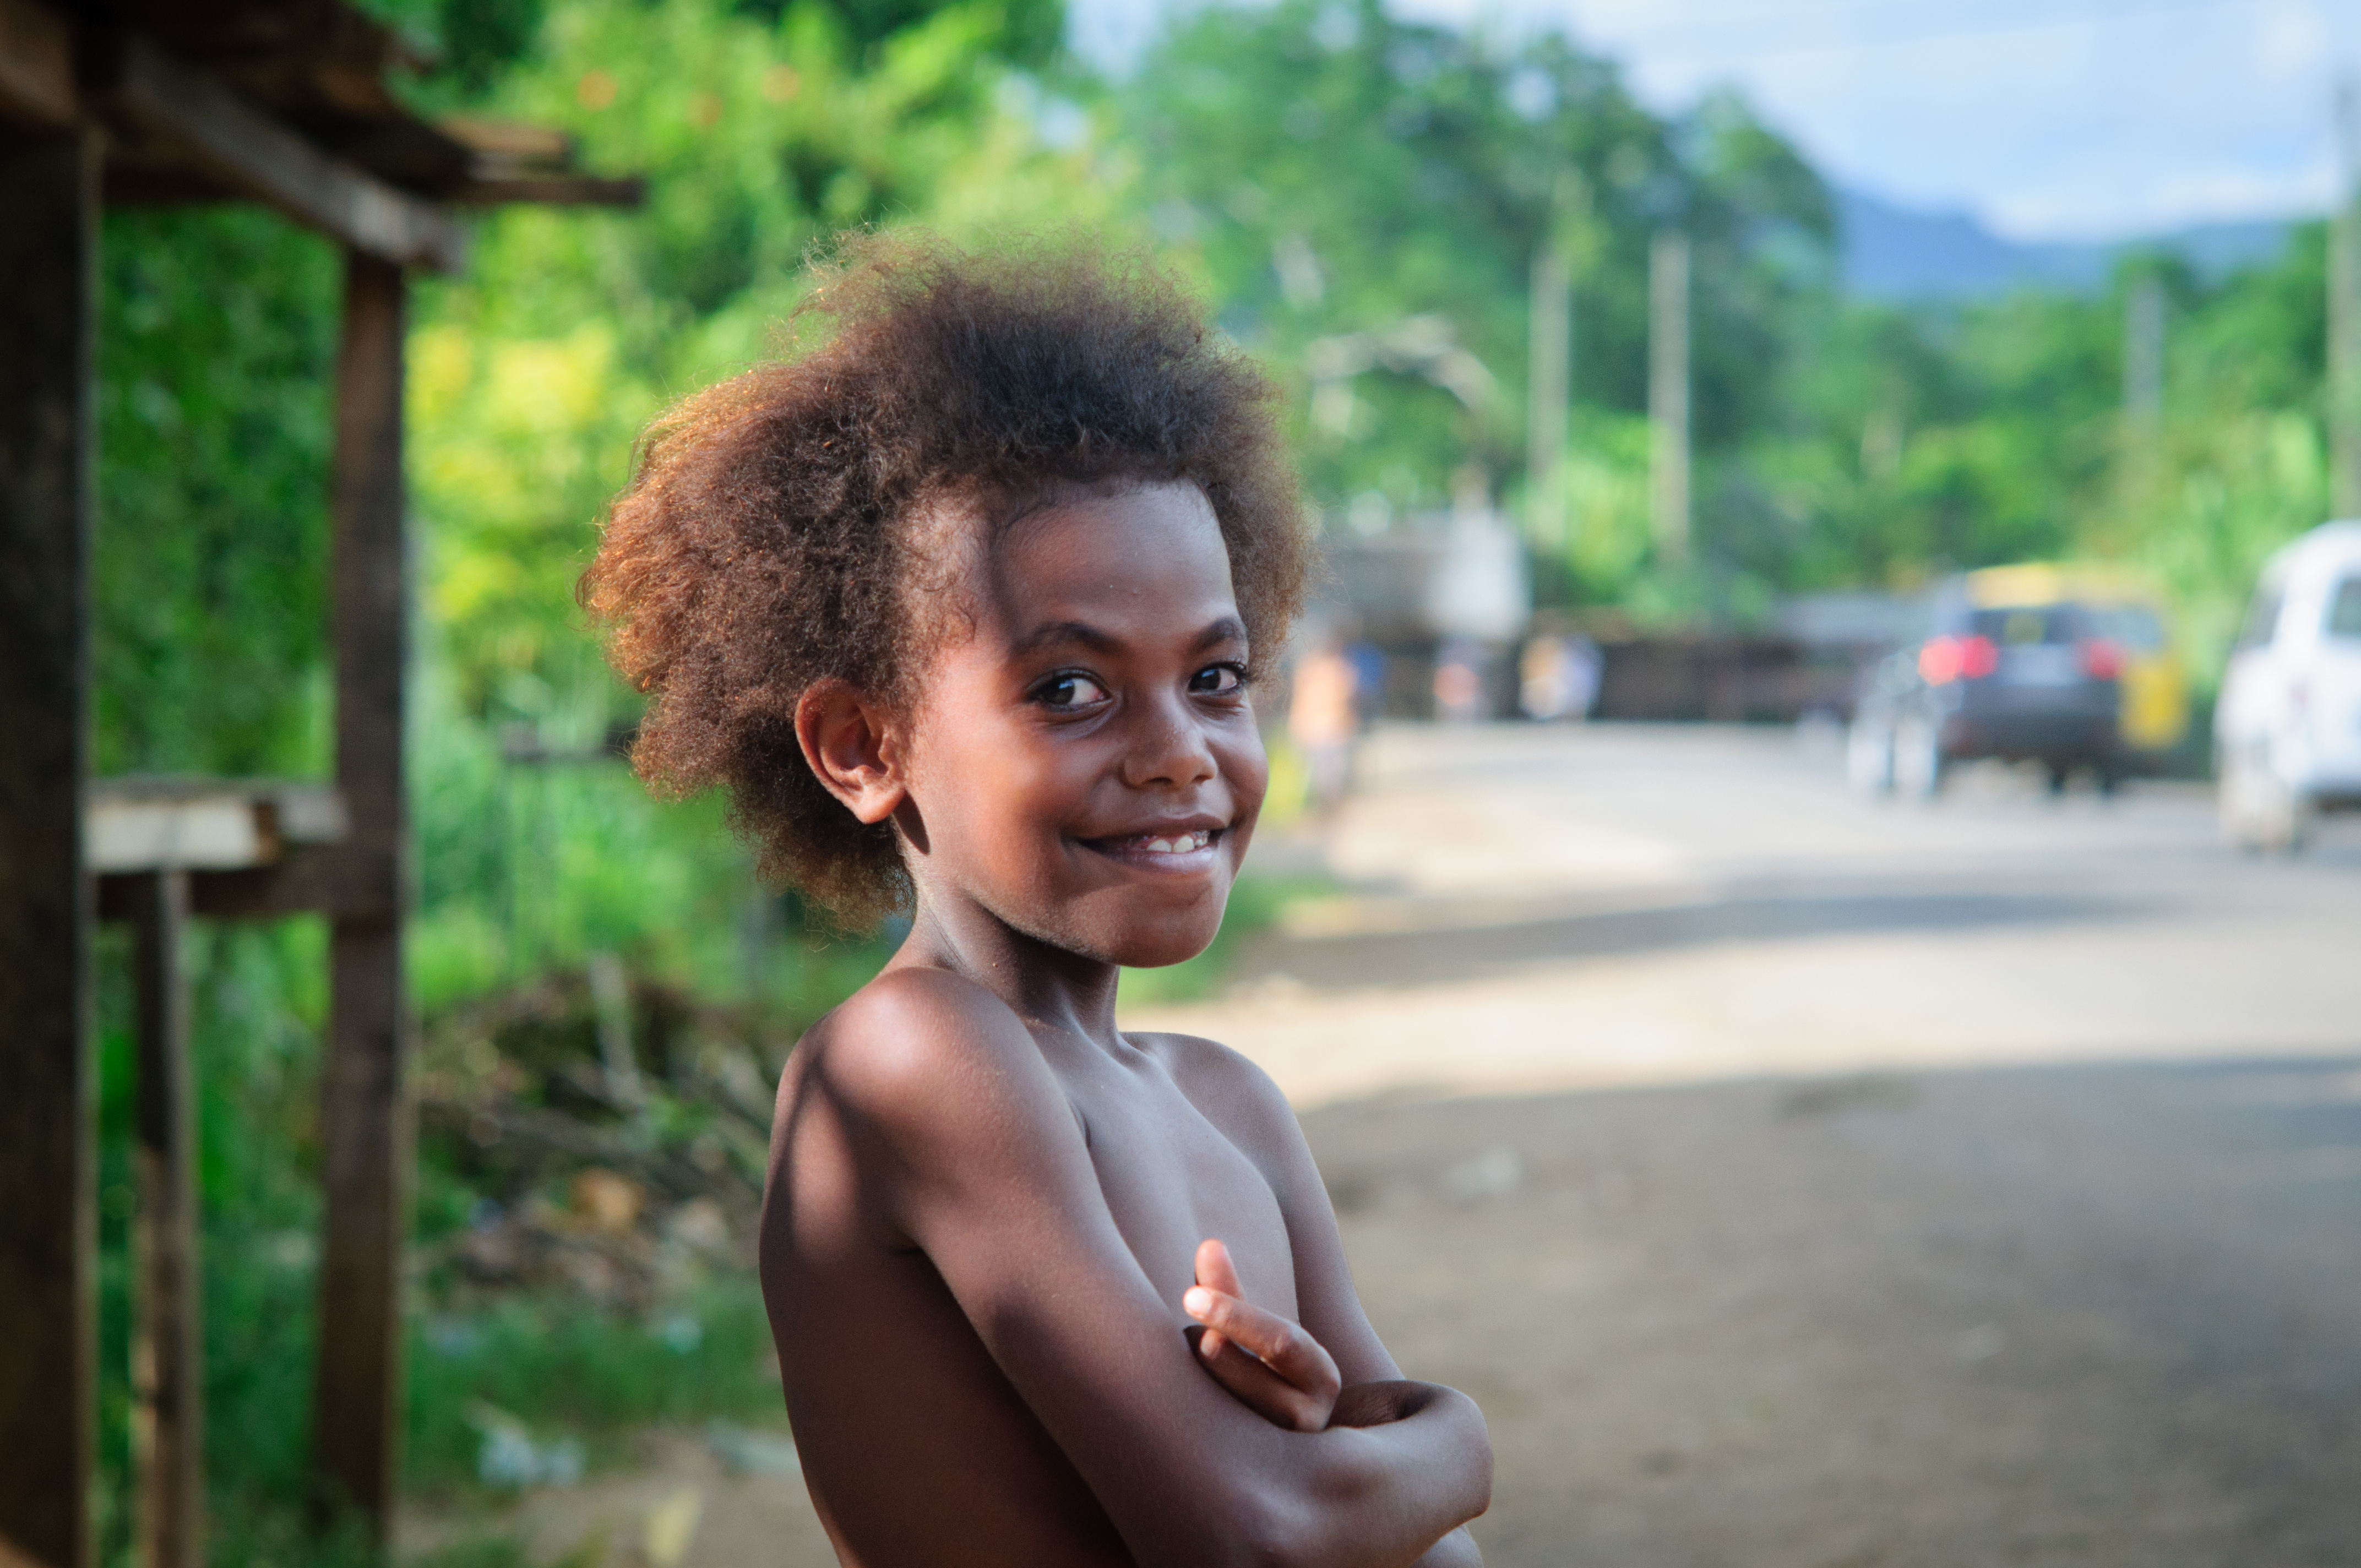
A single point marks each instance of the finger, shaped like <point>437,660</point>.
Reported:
<point>1278,1343</point>
<point>1266,1393</point>
<point>1214,1269</point>
<point>1216,1272</point>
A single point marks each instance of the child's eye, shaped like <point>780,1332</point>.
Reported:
<point>1218,680</point>
<point>1069,692</point>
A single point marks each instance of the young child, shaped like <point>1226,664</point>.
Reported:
<point>963,605</point>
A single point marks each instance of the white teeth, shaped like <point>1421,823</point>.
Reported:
<point>1187,843</point>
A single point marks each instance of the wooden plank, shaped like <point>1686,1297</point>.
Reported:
<point>344,884</point>
<point>37,67</point>
<point>317,880</point>
<point>251,152</point>
<point>364,1103</point>
<point>49,248</point>
<point>168,1347</point>
<point>198,824</point>
<point>551,191</point>
<point>220,834</point>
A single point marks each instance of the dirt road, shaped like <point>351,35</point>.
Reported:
<point>1801,1182</point>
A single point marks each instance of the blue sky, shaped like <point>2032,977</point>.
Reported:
<point>2048,119</point>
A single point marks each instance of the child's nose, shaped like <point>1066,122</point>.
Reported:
<point>1170,751</point>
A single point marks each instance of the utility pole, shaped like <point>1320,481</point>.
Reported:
<point>2344,310</point>
<point>2140,459</point>
<point>1551,368</point>
<point>2144,354</point>
<point>1668,391</point>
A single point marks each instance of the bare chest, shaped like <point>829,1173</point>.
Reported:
<point>1172,1179</point>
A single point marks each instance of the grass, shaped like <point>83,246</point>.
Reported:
<point>561,1369</point>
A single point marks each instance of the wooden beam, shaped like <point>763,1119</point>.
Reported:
<point>320,880</point>
<point>249,151</point>
<point>365,1113</point>
<point>49,252</point>
<point>340,883</point>
<point>551,191</point>
<point>37,67</point>
<point>197,824</point>
<point>167,1342</point>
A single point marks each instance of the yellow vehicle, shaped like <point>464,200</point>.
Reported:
<point>2072,666</point>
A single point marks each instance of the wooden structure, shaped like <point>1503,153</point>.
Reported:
<point>283,102</point>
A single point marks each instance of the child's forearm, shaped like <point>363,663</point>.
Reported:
<point>1390,1493</point>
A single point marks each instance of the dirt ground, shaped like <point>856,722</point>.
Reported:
<point>2095,1317</point>
<point>1796,1180</point>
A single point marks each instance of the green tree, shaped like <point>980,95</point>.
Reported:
<point>1367,194</point>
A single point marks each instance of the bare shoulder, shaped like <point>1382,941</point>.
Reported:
<point>1234,1094</point>
<point>916,1049</point>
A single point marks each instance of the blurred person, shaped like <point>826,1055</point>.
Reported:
<point>1460,681</point>
<point>1322,720</point>
<point>1368,662</point>
<point>963,607</point>
<point>1559,676</point>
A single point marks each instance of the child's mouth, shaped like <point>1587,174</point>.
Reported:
<point>1187,851</point>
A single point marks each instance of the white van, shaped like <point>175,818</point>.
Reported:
<point>2288,729</point>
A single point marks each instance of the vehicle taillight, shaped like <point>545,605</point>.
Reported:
<point>2101,660</point>
<point>1942,660</point>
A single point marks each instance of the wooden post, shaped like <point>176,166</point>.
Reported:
<point>168,1344</point>
<point>48,249</point>
<point>364,1105</point>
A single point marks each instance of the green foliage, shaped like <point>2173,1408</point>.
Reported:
<point>482,37</point>
<point>213,430</point>
<point>1413,172</point>
<point>585,1374</point>
<point>257,1000</point>
<point>532,376</point>
<point>1924,440</point>
<point>1028,33</point>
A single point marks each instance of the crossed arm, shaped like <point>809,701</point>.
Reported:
<point>976,1156</point>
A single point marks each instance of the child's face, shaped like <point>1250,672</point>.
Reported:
<point>1085,767</point>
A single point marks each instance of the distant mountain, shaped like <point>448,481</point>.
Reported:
<point>1896,253</point>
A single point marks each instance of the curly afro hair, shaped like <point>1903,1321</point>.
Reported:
<point>777,531</point>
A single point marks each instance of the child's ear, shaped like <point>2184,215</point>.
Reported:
<point>852,750</point>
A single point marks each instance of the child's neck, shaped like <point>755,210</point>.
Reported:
<point>1043,984</point>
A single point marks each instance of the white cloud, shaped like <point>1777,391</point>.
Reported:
<point>2051,119</point>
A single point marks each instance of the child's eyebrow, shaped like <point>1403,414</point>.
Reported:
<point>1052,631</point>
<point>1228,628</point>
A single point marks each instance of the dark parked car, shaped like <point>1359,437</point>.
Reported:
<point>2072,668</point>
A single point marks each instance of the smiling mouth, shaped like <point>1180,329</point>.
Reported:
<point>1163,852</point>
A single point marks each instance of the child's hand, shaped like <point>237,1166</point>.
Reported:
<point>1275,1369</point>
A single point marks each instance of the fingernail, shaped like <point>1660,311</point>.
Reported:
<point>1197,1301</point>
